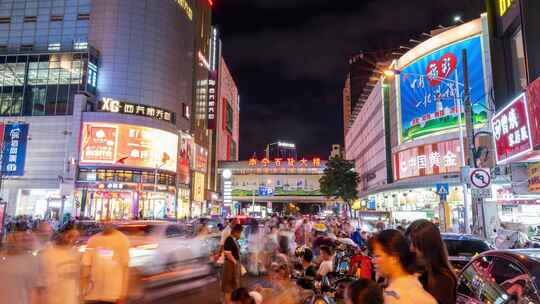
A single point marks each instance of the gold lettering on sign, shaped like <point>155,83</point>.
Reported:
<point>187,9</point>
<point>504,5</point>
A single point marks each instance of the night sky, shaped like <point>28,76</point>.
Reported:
<point>289,59</point>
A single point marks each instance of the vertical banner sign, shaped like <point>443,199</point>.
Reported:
<point>212,100</point>
<point>14,149</point>
<point>428,90</point>
<point>2,219</point>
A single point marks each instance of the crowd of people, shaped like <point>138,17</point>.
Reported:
<point>388,265</point>
<point>290,257</point>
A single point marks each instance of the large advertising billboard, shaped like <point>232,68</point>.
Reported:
<point>431,86</point>
<point>276,185</point>
<point>438,158</point>
<point>128,145</point>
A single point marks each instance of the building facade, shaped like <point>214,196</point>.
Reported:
<point>105,91</point>
<point>516,75</point>
<point>365,142</point>
<point>419,140</point>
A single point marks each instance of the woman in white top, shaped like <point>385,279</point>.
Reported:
<point>395,262</point>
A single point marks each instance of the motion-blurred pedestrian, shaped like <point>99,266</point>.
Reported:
<point>105,267</point>
<point>61,265</point>
<point>21,281</point>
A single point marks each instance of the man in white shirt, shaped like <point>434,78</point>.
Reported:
<point>105,267</point>
<point>327,264</point>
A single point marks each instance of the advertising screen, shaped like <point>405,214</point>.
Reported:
<point>432,159</point>
<point>430,87</point>
<point>184,159</point>
<point>276,185</point>
<point>128,145</point>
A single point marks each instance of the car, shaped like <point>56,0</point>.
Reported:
<point>158,247</point>
<point>501,276</point>
<point>462,247</point>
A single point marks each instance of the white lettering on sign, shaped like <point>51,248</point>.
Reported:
<point>115,106</point>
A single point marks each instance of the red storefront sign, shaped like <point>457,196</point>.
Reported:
<point>438,158</point>
<point>511,130</point>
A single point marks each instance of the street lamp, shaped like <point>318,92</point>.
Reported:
<point>457,19</point>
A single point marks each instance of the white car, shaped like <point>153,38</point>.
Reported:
<point>163,247</point>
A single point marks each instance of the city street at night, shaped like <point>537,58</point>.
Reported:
<point>269,151</point>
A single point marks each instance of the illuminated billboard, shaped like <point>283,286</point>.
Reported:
<point>430,87</point>
<point>128,145</point>
<point>438,158</point>
<point>276,185</point>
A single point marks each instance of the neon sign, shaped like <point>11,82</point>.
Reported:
<point>511,130</point>
<point>504,6</point>
<point>290,163</point>
<point>187,9</point>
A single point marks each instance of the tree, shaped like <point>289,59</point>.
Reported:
<point>340,180</point>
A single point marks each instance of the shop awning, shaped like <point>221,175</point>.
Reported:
<point>416,182</point>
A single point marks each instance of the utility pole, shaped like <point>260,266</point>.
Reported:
<point>478,219</point>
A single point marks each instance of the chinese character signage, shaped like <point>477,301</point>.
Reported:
<point>534,177</point>
<point>128,145</point>
<point>198,187</point>
<point>122,107</point>
<point>184,159</point>
<point>429,93</point>
<point>438,158</point>
<point>212,100</point>
<point>290,163</point>
<point>14,149</point>
<point>511,131</point>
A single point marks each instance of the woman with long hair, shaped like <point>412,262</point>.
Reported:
<point>437,276</point>
<point>395,262</point>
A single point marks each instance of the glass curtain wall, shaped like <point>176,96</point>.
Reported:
<point>45,84</point>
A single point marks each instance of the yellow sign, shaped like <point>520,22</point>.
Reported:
<point>534,177</point>
<point>504,5</point>
<point>187,9</point>
<point>198,187</point>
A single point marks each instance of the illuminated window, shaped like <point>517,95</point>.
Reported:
<point>5,20</point>
<point>80,45</point>
<point>57,18</point>
<point>54,46</point>
<point>30,19</point>
<point>83,17</point>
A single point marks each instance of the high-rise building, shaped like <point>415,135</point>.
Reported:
<point>104,91</point>
<point>223,113</point>
<point>281,149</point>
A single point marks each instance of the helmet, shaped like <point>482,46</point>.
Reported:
<point>319,227</point>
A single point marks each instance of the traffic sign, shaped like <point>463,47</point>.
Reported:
<point>477,193</point>
<point>442,189</point>
<point>480,178</point>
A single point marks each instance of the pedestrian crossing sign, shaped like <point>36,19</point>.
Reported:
<point>442,189</point>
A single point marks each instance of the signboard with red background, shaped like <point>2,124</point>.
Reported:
<point>438,158</point>
<point>128,145</point>
<point>511,130</point>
